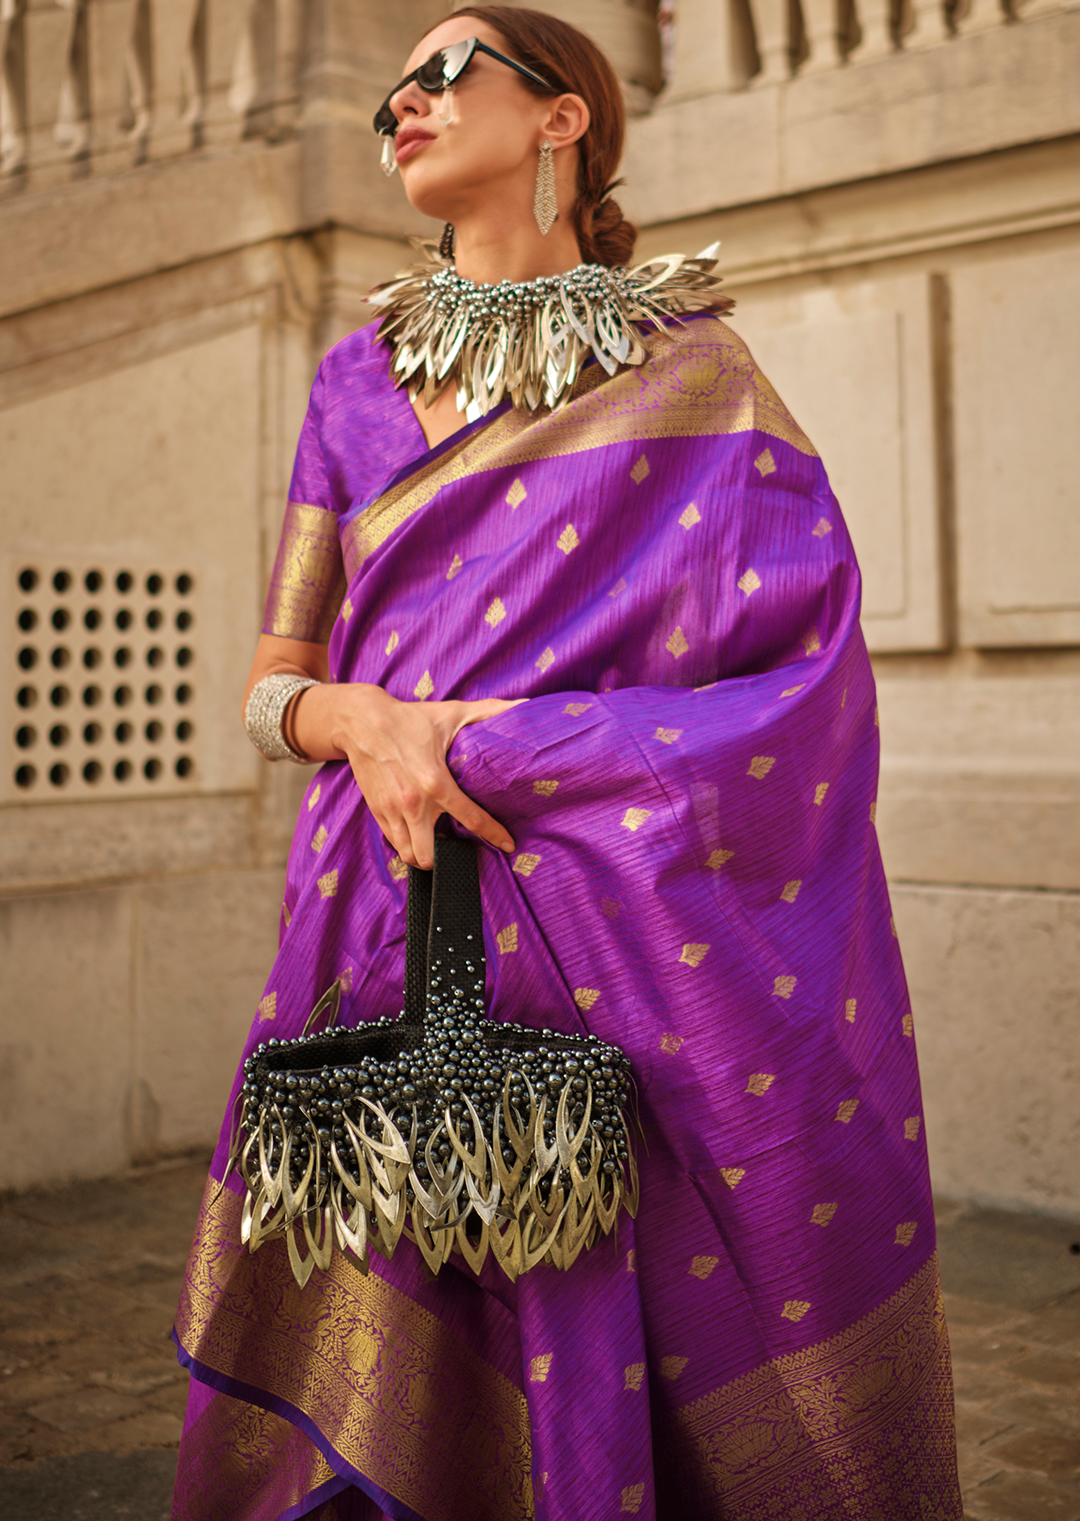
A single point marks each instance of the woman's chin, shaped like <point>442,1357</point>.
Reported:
<point>425,198</point>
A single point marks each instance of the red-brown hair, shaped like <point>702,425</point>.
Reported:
<point>575,66</point>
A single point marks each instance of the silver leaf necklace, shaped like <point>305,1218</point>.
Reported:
<point>528,340</point>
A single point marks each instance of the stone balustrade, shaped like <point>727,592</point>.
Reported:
<point>735,44</point>
<point>96,85</point>
<point>93,86</point>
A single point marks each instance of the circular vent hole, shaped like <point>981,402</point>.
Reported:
<point>91,696</point>
<point>154,732</point>
<point>59,734</point>
<point>25,737</point>
<point>121,696</point>
<point>28,579</point>
<point>27,619</point>
<point>91,658</point>
<point>60,657</point>
<point>184,766</point>
<point>59,697</point>
<point>184,731</point>
<point>152,769</point>
<point>92,618</point>
<point>27,657</point>
<point>91,734</point>
<point>123,619</point>
<point>61,581</point>
<point>26,697</point>
<point>92,771</point>
<point>184,584</point>
<point>60,618</point>
<point>155,585</point>
<point>122,770</point>
<point>122,657</point>
<point>184,693</point>
<point>154,656</point>
<point>93,581</point>
<point>124,733</point>
<point>154,617</point>
<point>184,620</point>
<point>25,776</point>
<point>59,774</point>
<point>153,695</point>
<point>124,582</point>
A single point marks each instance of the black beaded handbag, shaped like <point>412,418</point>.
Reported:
<point>442,1126</point>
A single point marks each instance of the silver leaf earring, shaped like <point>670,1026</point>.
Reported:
<point>389,157</point>
<point>545,204</point>
<point>446,106</point>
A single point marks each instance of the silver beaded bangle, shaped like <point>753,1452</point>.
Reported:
<point>264,713</point>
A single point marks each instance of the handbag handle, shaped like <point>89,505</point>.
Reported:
<point>444,933</point>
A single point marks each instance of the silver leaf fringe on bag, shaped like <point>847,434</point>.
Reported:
<point>350,1138</point>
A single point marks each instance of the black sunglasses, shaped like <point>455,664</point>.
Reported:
<point>440,71</point>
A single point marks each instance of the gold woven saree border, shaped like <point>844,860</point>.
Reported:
<point>402,1398</point>
<point>700,381</point>
<point>236,1453</point>
<point>307,584</point>
<point>866,1407</point>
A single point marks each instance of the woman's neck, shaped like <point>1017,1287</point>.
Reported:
<point>489,252</point>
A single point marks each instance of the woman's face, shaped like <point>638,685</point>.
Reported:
<point>489,149</point>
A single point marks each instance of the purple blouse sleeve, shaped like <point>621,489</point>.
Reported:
<point>307,584</point>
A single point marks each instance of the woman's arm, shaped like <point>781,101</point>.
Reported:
<point>397,750</point>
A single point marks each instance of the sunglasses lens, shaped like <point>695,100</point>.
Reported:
<point>456,57</point>
<point>385,121</point>
<point>429,76</point>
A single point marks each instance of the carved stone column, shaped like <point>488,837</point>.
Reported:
<point>714,48</point>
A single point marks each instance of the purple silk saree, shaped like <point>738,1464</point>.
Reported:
<point>662,569</point>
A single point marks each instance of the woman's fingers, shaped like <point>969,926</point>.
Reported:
<point>487,707</point>
<point>401,769</point>
<point>473,818</point>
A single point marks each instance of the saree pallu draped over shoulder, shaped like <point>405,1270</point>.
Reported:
<point>663,571</point>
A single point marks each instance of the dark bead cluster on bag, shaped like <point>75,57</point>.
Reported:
<point>455,1131</point>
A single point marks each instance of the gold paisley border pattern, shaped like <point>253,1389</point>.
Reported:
<point>237,1456</point>
<point>699,381</point>
<point>307,584</point>
<point>402,1398</point>
<point>870,1410</point>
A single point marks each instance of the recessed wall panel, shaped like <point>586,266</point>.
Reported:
<point>853,362</point>
<point>1016,337</point>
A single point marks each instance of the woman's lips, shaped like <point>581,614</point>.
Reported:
<point>410,143</point>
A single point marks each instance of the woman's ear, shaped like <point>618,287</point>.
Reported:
<point>566,121</point>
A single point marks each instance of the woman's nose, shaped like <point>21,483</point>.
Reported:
<point>410,100</point>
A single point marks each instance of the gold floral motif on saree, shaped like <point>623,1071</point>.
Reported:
<point>308,580</point>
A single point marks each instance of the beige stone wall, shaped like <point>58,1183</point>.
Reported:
<point>190,212</point>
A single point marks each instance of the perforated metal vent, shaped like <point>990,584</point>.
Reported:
<point>103,690</point>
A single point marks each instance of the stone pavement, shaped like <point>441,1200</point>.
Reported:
<point>92,1397</point>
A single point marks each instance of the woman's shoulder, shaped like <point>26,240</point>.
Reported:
<point>703,331</point>
<point>366,428</point>
<point>356,359</point>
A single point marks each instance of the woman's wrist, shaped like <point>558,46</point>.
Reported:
<point>265,709</point>
<point>323,719</point>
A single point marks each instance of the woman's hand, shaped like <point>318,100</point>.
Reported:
<point>397,751</point>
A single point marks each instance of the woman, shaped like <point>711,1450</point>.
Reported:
<point>615,638</point>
